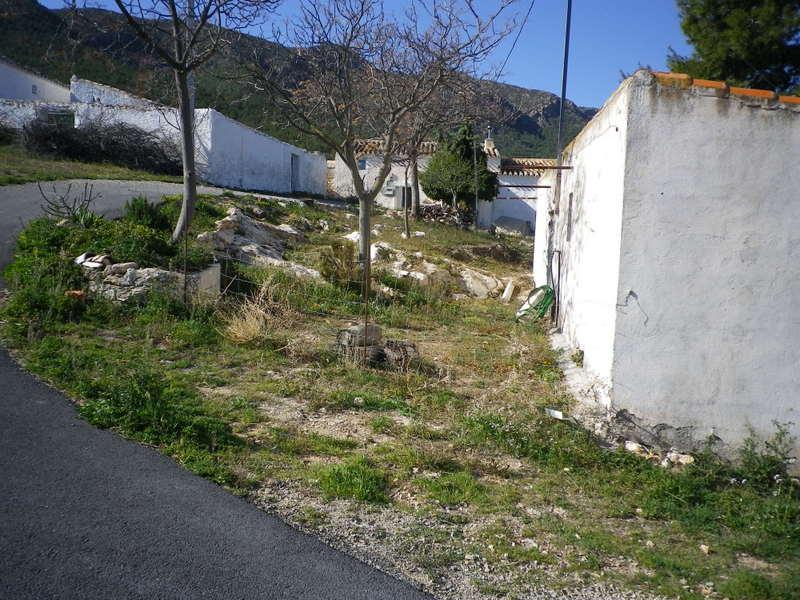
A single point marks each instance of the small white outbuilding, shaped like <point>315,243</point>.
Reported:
<point>673,247</point>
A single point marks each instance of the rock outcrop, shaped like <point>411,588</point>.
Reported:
<point>255,242</point>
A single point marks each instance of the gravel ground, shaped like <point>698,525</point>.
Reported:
<point>389,539</point>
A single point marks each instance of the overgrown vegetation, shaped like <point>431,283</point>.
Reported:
<point>116,143</point>
<point>458,452</point>
<point>18,165</point>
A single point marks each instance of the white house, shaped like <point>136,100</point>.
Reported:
<point>396,189</point>
<point>228,153</point>
<point>19,84</point>
<point>674,249</point>
<point>25,95</point>
<point>517,178</point>
<point>517,190</point>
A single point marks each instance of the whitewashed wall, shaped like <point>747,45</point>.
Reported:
<point>681,276</point>
<point>514,202</point>
<point>18,84</point>
<point>228,153</point>
<point>395,181</point>
<point>709,284</point>
<point>543,201</point>
<point>244,158</point>
<point>587,235</point>
<point>17,113</point>
<point>159,120</point>
<point>90,92</point>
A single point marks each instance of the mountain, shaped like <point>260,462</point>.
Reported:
<point>92,45</point>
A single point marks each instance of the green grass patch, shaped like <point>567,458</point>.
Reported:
<point>17,165</point>
<point>355,478</point>
<point>452,489</point>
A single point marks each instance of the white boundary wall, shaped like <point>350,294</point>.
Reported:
<point>228,153</point>
<point>681,277</point>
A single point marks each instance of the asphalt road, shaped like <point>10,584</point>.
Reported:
<point>86,514</point>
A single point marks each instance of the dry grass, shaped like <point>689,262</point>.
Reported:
<point>259,317</point>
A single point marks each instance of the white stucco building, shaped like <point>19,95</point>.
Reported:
<point>517,179</point>
<point>397,187</point>
<point>25,96</point>
<point>517,189</point>
<point>228,153</point>
<point>674,246</point>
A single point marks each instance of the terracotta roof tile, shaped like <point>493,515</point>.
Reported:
<point>753,93</point>
<point>374,146</point>
<point>679,80</point>
<point>526,167</point>
<point>684,81</point>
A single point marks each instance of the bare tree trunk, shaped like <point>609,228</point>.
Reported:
<point>186,109</point>
<point>406,227</point>
<point>363,229</point>
<point>414,188</point>
<point>364,256</point>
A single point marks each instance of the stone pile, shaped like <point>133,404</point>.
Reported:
<point>254,242</point>
<point>439,213</point>
<point>122,282</point>
<point>359,344</point>
<point>449,274</point>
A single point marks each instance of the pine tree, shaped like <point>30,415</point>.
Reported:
<point>450,173</point>
<point>752,43</point>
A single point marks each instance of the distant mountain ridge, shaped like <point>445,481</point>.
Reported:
<point>49,43</point>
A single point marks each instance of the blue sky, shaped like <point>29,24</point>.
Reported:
<point>607,37</point>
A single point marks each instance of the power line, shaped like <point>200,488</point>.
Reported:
<point>516,38</point>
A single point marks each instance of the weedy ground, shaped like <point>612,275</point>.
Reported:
<point>17,165</point>
<point>448,474</point>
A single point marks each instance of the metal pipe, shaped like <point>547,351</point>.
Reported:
<point>559,150</point>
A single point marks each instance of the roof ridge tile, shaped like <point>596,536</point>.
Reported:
<point>723,89</point>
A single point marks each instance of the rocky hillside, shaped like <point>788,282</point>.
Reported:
<point>57,45</point>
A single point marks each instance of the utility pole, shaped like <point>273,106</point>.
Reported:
<point>475,171</point>
<point>553,209</point>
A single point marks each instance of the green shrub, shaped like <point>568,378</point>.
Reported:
<point>116,143</point>
<point>452,489</point>
<point>8,135</point>
<point>144,406</point>
<point>355,478</point>
<point>142,212</point>
<point>339,265</point>
<point>39,282</point>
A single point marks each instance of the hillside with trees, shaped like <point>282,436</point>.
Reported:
<point>93,44</point>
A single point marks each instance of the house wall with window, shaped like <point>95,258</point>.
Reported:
<point>395,188</point>
<point>676,257</point>
<point>21,85</point>
<point>24,96</point>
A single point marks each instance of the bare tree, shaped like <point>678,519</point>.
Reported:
<point>460,100</point>
<point>369,73</point>
<point>185,34</point>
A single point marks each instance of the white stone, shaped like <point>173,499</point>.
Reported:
<point>353,236</point>
<point>120,268</point>
<point>479,284</point>
<point>508,292</point>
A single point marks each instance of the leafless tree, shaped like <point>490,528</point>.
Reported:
<point>369,73</point>
<point>184,35</point>
<point>460,100</point>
